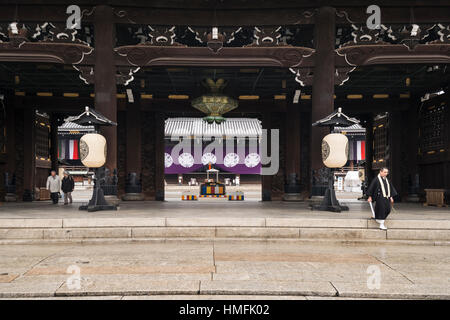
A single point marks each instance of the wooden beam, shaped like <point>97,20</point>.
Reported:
<point>230,13</point>
<point>392,12</point>
<point>47,52</point>
<point>373,106</point>
<point>54,104</point>
<point>146,55</point>
<point>363,55</point>
<point>184,106</point>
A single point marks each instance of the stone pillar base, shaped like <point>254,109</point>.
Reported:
<point>293,197</point>
<point>315,200</point>
<point>413,198</point>
<point>10,197</point>
<point>28,195</point>
<point>112,199</point>
<point>133,197</point>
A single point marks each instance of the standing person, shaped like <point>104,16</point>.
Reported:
<point>54,186</point>
<point>382,192</point>
<point>67,187</point>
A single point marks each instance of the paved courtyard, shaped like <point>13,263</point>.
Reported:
<point>223,270</point>
<point>230,250</point>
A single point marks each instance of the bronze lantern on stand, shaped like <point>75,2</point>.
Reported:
<point>334,155</point>
<point>93,155</point>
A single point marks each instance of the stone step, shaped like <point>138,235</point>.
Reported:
<point>301,222</point>
<point>196,240</point>
<point>116,287</point>
<point>222,228</point>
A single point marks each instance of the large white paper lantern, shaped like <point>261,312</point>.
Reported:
<point>93,150</point>
<point>335,150</point>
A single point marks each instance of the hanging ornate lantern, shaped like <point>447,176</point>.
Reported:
<point>335,150</point>
<point>93,150</point>
<point>93,155</point>
<point>214,104</point>
<point>334,155</point>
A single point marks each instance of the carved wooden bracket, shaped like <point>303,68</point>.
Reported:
<point>224,35</point>
<point>124,75</point>
<point>86,73</point>
<point>56,45</point>
<point>363,35</point>
<point>266,37</point>
<point>342,75</point>
<point>304,76</point>
<point>392,53</point>
<point>444,34</point>
<point>65,53</point>
<point>145,55</point>
<point>410,36</point>
<point>56,32</point>
<point>162,36</point>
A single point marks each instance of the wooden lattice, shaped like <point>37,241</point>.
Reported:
<point>432,128</point>
<point>2,136</point>
<point>42,138</point>
<point>380,143</point>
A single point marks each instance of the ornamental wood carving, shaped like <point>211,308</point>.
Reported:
<point>359,55</point>
<point>65,53</point>
<point>304,76</point>
<point>145,55</point>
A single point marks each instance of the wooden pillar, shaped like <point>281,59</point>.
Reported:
<point>10,136</point>
<point>266,180</point>
<point>29,169</point>
<point>412,145</point>
<point>369,148</point>
<point>133,147</point>
<point>396,146</point>
<point>105,77</point>
<point>54,123</point>
<point>305,161</point>
<point>133,158</point>
<point>447,142</point>
<point>323,83</point>
<point>159,156</point>
<point>292,159</point>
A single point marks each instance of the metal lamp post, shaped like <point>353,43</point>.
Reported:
<point>334,155</point>
<point>93,154</point>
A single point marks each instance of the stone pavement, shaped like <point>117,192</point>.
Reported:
<point>216,208</point>
<point>224,270</point>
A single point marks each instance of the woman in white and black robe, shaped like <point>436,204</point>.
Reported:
<point>382,195</point>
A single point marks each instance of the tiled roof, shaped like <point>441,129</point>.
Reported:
<point>353,128</point>
<point>232,127</point>
<point>71,126</point>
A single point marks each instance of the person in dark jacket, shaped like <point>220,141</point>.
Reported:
<point>67,187</point>
<point>382,192</point>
